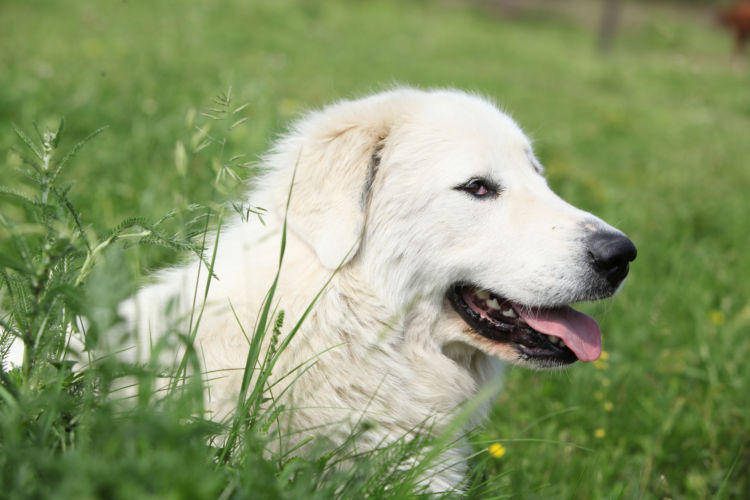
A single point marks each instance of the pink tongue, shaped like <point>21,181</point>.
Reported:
<point>579,331</point>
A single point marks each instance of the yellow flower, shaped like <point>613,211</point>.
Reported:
<point>606,382</point>
<point>608,406</point>
<point>717,318</point>
<point>496,450</point>
<point>600,365</point>
<point>600,433</point>
<point>599,395</point>
<point>604,356</point>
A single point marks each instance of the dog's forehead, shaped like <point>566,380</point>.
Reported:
<point>473,115</point>
<point>471,133</point>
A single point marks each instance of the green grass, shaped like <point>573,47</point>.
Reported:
<point>110,428</point>
<point>652,137</point>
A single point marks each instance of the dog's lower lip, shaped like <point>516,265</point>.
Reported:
<point>509,328</point>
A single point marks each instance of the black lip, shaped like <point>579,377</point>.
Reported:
<point>531,344</point>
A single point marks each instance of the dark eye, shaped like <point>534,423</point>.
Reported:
<point>479,188</point>
<point>476,188</point>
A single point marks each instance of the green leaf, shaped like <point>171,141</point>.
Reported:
<point>75,151</point>
<point>29,143</point>
<point>58,134</point>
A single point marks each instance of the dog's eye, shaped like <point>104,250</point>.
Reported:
<point>479,188</point>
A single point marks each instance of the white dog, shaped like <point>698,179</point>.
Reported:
<point>453,257</point>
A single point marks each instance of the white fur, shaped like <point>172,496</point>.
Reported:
<point>387,346</point>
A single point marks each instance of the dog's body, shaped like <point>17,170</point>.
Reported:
<point>453,256</point>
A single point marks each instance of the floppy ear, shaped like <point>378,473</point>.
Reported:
<point>336,159</point>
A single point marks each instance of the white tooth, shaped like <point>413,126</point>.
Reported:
<point>482,294</point>
<point>509,313</point>
<point>493,304</point>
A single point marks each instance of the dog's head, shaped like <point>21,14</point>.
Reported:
<point>437,197</point>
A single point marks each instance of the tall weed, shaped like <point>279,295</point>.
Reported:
<point>65,429</point>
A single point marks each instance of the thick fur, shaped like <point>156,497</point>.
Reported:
<point>375,193</point>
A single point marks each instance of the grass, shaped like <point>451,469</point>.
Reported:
<point>68,432</point>
<point>652,137</point>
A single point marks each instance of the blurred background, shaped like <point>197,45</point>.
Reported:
<point>639,110</point>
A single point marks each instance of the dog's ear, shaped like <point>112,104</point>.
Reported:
<point>337,155</point>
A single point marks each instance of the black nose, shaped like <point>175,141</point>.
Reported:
<point>611,252</point>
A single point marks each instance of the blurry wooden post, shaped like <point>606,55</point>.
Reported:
<point>608,25</point>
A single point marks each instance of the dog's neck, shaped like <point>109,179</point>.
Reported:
<point>410,337</point>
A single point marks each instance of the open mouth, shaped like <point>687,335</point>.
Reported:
<point>554,335</point>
